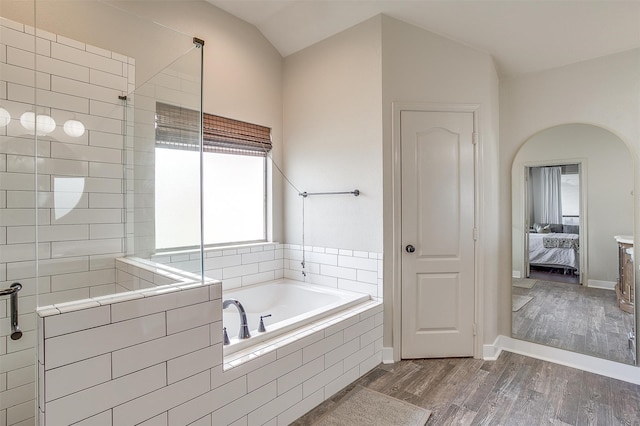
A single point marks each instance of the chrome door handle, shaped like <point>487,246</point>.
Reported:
<point>410,248</point>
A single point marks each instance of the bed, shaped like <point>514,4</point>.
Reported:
<point>555,250</point>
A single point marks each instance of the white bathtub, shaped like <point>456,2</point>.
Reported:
<point>292,304</point>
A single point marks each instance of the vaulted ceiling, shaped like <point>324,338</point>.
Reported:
<point>522,35</point>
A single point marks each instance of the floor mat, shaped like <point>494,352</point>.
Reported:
<point>364,406</point>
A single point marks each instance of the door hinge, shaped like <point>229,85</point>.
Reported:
<point>475,234</point>
<point>474,138</point>
<point>475,329</point>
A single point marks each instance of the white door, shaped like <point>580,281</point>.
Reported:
<point>438,266</point>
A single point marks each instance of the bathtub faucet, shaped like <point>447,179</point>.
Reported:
<point>244,328</point>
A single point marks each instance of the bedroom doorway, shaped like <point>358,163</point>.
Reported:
<point>554,222</point>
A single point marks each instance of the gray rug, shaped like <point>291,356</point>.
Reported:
<point>517,301</point>
<point>523,282</point>
<point>364,406</point>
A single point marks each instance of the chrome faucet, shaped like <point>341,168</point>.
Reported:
<point>244,328</point>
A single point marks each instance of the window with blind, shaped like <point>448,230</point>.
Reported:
<point>233,179</point>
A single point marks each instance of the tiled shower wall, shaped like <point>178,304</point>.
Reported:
<point>351,270</point>
<point>77,244</point>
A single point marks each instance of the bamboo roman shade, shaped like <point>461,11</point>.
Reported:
<point>179,128</point>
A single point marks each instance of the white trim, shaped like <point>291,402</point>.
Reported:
<point>387,355</point>
<point>396,190</point>
<point>516,274</point>
<point>493,351</point>
<point>604,367</point>
<point>607,285</point>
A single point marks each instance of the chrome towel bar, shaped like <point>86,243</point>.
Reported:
<point>355,193</point>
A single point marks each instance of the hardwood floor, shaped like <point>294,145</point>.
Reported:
<point>514,390</point>
<point>576,318</point>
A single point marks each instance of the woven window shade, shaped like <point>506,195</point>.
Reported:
<point>178,128</point>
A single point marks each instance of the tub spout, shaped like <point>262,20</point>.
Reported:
<point>244,328</point>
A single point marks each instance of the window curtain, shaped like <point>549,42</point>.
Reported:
<point>547,194</point>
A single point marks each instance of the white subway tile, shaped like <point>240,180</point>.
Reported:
<point>321,347</point>
<point>355,359</point>
<point>193,316</point>
<point>83,216</point>
<point>85,344</point>
<point>147,406</point>
<point>15,360</point>
<point>236,409</point>
<point>18,39</point>
<point>99,51</point>
<point>153,352</point>
<point>102,419</point>
<point>70,42</point>
<point>222,262</point>
<point>322,258</point>
<point>106,230</point>
<point>159,420</point>
<point>199,407</point>
<point>20,376</point>
<point>94,400</point>
<point>57,325</point>
<point>194,362</point>
<point>15,396</point>
<point>262,256</point>
<point>239,271</point>
<point>320,380</point>
<point>272,371</point>
<point>80,57</point>
<point>371,362</point>
<point>75,377</point>
<point>105,140</point>
<point>21,414</point>
<point>298,342</point>
<point>283,402</point>
<point>106,170</point>
<point>370,277</point>
<point>108,80</point>
<point>63,68</point>
<point>258,278</point>
<point>86,247</point>
<point>358,263</point>
<point>358,287</point>
<point>301,408</point>
<point>341,352</point>
<point>22,252</point>
<point>341,382</point>
<point>371,336</point>
<point>296,377</point>
<point>322,280</point>
<point>339,272</point>
<point>166,302</point>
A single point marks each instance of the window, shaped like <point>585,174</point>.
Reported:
<point>234,179</point>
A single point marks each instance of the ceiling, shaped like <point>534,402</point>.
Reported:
<point>521,35</point>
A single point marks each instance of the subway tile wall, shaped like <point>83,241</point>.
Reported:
<point>352,270</point>
<point>155,358</point>
<point>79,183</point>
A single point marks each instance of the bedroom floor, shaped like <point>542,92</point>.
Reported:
<point>548,274</point>
<point>575,318</point>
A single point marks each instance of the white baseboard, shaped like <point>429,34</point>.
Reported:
<point>608,285</point>
<point>615,370</point>
<point>493,351</point>
<point>516,274</point>
<point>387,356</point>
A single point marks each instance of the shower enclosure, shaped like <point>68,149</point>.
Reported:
<point>77,148</point>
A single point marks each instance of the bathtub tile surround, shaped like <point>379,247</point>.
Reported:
<point>351,270</point>
<point>79,238</point>
<point>155,356</point>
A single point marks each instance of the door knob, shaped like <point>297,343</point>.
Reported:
<point>410,248</point>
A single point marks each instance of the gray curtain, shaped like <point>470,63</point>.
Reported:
<point>546,194</point>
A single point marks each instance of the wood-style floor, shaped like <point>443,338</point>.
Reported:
<point>514,390</point>
<point>575,318</point>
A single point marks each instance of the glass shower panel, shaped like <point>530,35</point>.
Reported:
<point>67,70</point>
<point>163,167</point>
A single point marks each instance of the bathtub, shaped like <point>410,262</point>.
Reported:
<point>292,304</point>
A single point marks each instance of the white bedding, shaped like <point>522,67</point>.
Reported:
<point>554,257</point>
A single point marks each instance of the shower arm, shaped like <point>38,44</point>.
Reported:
<point>12,291</point>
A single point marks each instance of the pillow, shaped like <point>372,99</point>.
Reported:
<point>545,229</point>
<point>571,229</point>
<point>555,227</point>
